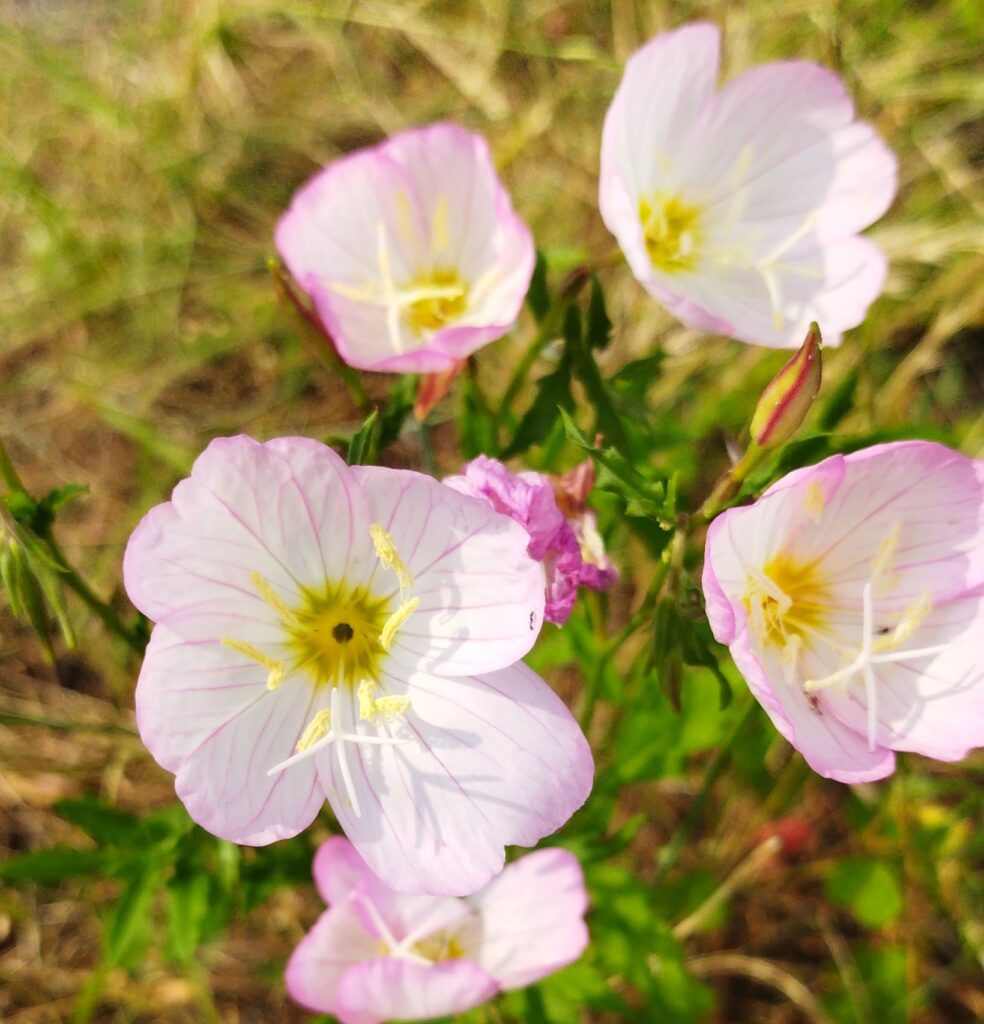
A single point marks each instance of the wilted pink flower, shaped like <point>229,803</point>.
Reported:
<point>349,634</point>
<point>410,251</point>
<point>529,498</point>
<point>377,955</point>
<point>851,595</point>
<point>572,490</point>
<point>739,210</point>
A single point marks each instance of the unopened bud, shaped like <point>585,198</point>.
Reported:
<point>786,401</point>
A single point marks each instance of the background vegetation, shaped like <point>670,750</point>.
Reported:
<point>148,148</point>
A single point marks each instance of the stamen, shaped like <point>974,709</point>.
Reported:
<point>387,554</point>
<point>314,730</point>
<point>912,619</point>
<point>388,707</point>
<point>881,564</point>
<point>440,237</point>
<point>814,502</point>
<point>393,623</point>
<point>266,590</point>
<point>390,298</point>
<point>277,669</point>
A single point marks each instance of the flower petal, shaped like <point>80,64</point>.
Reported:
<point>285,510</point>
<point>779,145</point>
<point>532,918</point>
<point>389,989</point>
<point>205,713</point>
<point>664,89</point>
<point>829,747</point>
<point>482,596</point>
<point>930,705</point>
<point>337,942</point>
<point>494,760</point>
<point>343,877</point>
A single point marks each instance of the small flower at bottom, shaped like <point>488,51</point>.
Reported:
<point>739,210</point>
<point>350,634</point>
<point>377,955</point>
<point>410,251</point>
<point>851,595</point>
<point>567,541</point>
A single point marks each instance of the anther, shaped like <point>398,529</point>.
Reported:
<point>387,554</point>
<point>277,670</point>
<point>393,623</point>
<point>266,590</point>
<point>314,730</point>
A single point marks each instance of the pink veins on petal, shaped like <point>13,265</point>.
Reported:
<point>852,598</point>
<point>350,635</point>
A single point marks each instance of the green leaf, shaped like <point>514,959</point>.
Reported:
<point>188,907</point>
<point>476,424</point>
<point>104,823</point>
<point>553,392</point>
<point>538,298</point>
<point>54,865</point>
<point>647,498</point>
<point>599,326</point>
<point>867,887</point>
<point>361,445</point>
<point>607,419</point>
<point>397,408</point>
<point>54,501</point>
<point>130,925</point>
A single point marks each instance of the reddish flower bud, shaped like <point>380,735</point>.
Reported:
<point>786,401</point>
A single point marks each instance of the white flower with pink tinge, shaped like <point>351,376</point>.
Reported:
<point>851,595</point>
<point>410,251</point>
<point>739,209</point>
<point>377,955</point>
<point>350,634</point>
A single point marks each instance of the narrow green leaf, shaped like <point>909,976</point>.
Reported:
<point>538,297</point>
<point>103,822</point>
<point>599,326</point>
<point>129,926</point>
<point>553,392</point>
<point>361,445</point>
<point>54,865</point>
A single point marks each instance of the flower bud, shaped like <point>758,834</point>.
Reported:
<point>786,401</point>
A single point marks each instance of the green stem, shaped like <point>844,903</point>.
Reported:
<point>13,718</point>
<point>104,611</point>
<point>730,483</point>
<point>8,472</point>
<point>427,449</point>
<point>670,853</point>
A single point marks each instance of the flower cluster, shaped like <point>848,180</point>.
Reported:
<point>354,634</point>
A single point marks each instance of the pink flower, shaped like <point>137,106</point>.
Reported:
<point>377,955</point>
<point>571,491</point>
<point>350,634</point>
<point>410,251</point>
<point>739,210</point>
<point>570,551</point>
<point>851,595</point>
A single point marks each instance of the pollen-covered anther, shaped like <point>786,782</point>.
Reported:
<point>372,708</point>
<point>393,623</point>
<point>277,670</point>
<point>315,730</point>
<point>387,554</point>
<point>269,594</point>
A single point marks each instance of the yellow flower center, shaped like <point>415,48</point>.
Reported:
<point>334,636</point>
<point>672,230</point>
<point>438,297</point>
<point>788,598</point>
